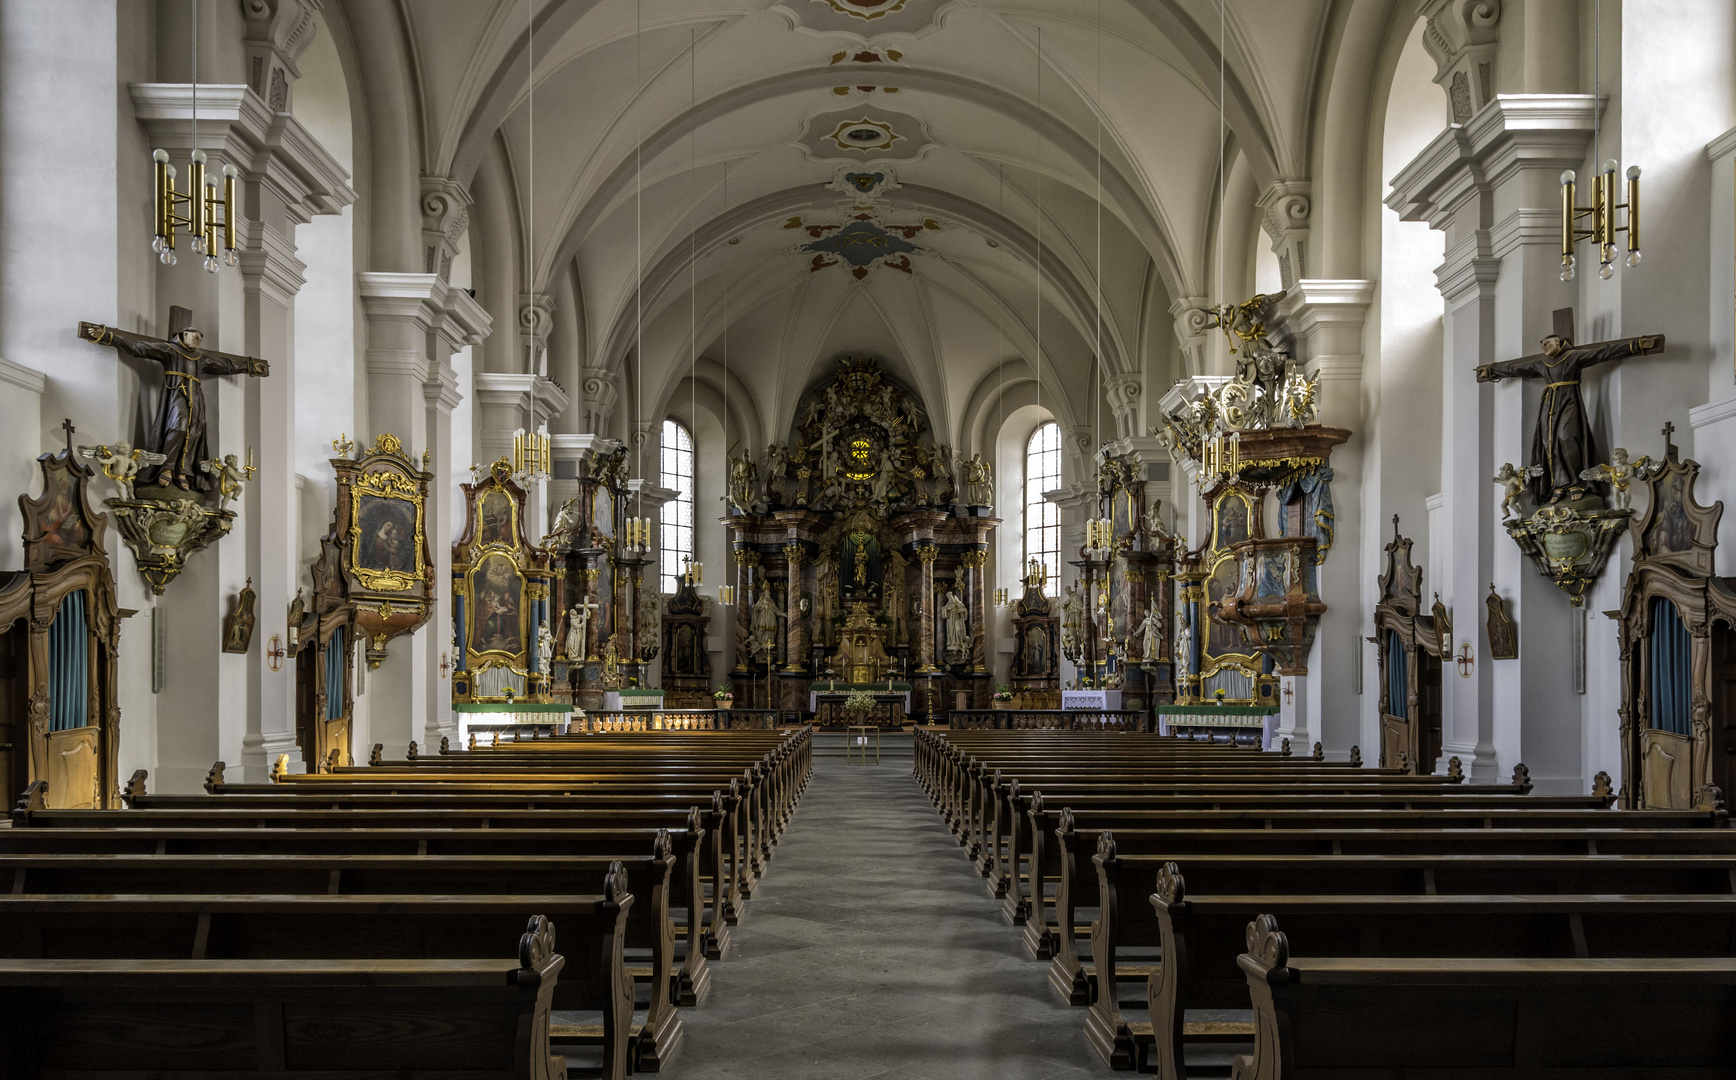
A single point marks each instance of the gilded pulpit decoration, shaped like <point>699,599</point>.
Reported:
<point>500,597</point>
<point>382,500</point>
<point>60,738</point>
<point>164,487</point>
<point>1678,649</point>
<point>1572,532</point>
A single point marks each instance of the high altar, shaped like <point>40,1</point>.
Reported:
<point>860,559</point>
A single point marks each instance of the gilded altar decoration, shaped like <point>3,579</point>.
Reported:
<point>163,489</point>
<point>500,598</point>
<point>381,525</point>
<point>238,624</point>
<point>60,743</point>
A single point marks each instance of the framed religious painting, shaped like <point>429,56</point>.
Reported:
<point>498,623</point>
<point>382,527</point>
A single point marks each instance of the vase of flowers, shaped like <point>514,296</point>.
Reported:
<point>723,696</point>
<point>1003,698</point>
<point>1218,695</point>
<point>858,705</point>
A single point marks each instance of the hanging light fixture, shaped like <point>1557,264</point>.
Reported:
<point>201,199</point>
<point>530,456</point>
<point>1603,194</point>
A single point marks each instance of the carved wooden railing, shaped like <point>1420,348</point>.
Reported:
<point>1046,720</point>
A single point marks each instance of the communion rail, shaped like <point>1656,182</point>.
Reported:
<point>1047,720</point>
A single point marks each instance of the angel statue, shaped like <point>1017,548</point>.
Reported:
<point>565,518</point>
<point>121,463</point>
<point>230,474</point>
<point>1619,474</point>
<point>1298,396</point>
<point>1512,481</point>
<point>1072,620</point>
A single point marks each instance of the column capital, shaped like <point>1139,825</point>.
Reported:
<point>1124,392</point>
<point>536,317</point>
<point>445,216</point>
<point>532,398</point>
<point>601,388</point>
<point>1193,329</point>
<point>1322,319</point>
<point>278,31</point>
<point>650,495</point>
<point>1286,208</point>
<point>1461,37</point>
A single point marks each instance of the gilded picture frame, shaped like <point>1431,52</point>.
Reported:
<point>387,532</point>
<point>498,598</point>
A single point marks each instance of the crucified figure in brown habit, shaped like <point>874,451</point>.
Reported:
<point>1562,446</point>
<point>180,428</point>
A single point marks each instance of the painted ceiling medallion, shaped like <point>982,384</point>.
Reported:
<point>865,9</point>
<point>862,243</point>
<point>864,135</point>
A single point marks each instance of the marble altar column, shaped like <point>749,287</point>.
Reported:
<point>745,561</point>
<point>925,554</point>
<point>795,629</point>
<point>981,608</point>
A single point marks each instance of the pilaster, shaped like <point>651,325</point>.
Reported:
<point>1285,211</point>
<point>1125,392</point>
<point>1193,329</point>
<point>602,389</point>
<point>1323,322</point>
<point>278,31</point>
<point>1461,36</point>
<point>1487,185</point>
<point>286,178</point>
<point>445,216</point>
<point>536,317</point>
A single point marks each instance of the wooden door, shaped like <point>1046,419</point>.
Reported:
<point>1428,719</point>
<point>74,773</point>
<point>1724,708</point>
<point>14,694</point>
<point>307,721</point>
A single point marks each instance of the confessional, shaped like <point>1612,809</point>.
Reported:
<point>323,643</point>
<point>1678,649</point>
<point>1411,647</point>
<point>59,633</point>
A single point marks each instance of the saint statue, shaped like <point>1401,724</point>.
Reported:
<point>953,614</point>
<point>765,622</point>
<point>545,648</point>
<point>1183,647</point>
<point>1562,444</point>
<point>979,482</point>
<point>1151,633</point>
<point>578,621</point>
<point>180,427</point>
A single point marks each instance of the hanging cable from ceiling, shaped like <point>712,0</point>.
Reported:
<point>639,249</point>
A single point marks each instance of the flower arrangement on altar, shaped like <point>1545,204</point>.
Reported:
<point>859,703</point>
<point>1219,694</point>
<point>1003,692</point>
<point>723,693</point>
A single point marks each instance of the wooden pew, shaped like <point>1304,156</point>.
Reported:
<point>444,1019</point>
<point>1204,934</point>
<point>1127,921</point>
<point>701,839</point>
<point>1077,880</point>
<point>1648,1019</point>
<point>358,928</point>
<point>687,979</point>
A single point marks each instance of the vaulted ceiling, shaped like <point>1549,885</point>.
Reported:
<point>803,177</point>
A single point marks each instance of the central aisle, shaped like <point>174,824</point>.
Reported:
<point>873,949</point>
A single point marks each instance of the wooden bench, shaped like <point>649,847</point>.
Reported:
<point>1584,1019</point>
<point>1127,920</point>
<point>447,1019</point>
<point>1076,883</point>
<point>246,927</point>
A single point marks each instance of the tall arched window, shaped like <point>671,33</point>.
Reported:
<point>676,519</point>
<point>1043,518</point>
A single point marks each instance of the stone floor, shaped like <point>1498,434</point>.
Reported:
<point>872,949</point>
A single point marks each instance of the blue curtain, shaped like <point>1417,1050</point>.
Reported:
<point>334,676</point>
<point>459,637</point>
<point>1670,668</point>
<point>69,665</point>
<point>1397,677</point>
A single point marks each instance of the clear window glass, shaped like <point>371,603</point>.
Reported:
<point>1043,518</point>
<point>675,522</point>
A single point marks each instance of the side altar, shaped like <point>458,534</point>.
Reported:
<point>861,549</point>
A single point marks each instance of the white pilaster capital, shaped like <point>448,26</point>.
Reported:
<point>1461,37</point>
<point>466,321</point>
<point>445,216</point>
<point>601,389</point>
<point>1124,392</point>
<point>1286,208</point>
<point>1080,444</point>
<point>532,398</point>
<point>1514,132</point>
<point>536,317</point>
<point>649,495</point>
<point>237,127</point>
<point>1193,328</point>
<point>278,31</point>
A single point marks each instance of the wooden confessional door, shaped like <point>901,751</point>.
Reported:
<point>74,769</point>
<point>1427,725</point>
<point>1395,740</point>
<point>1724,708</point>
<point>14,695</point>
<point>307,722</point>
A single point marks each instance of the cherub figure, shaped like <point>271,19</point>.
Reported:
<point>1619,474</point>
<point>1512,481</point>
<point>230,475</point>
<point>121,463</point>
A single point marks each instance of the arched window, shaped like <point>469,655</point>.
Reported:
<point>1043,518</point>
<point>675,537</point>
